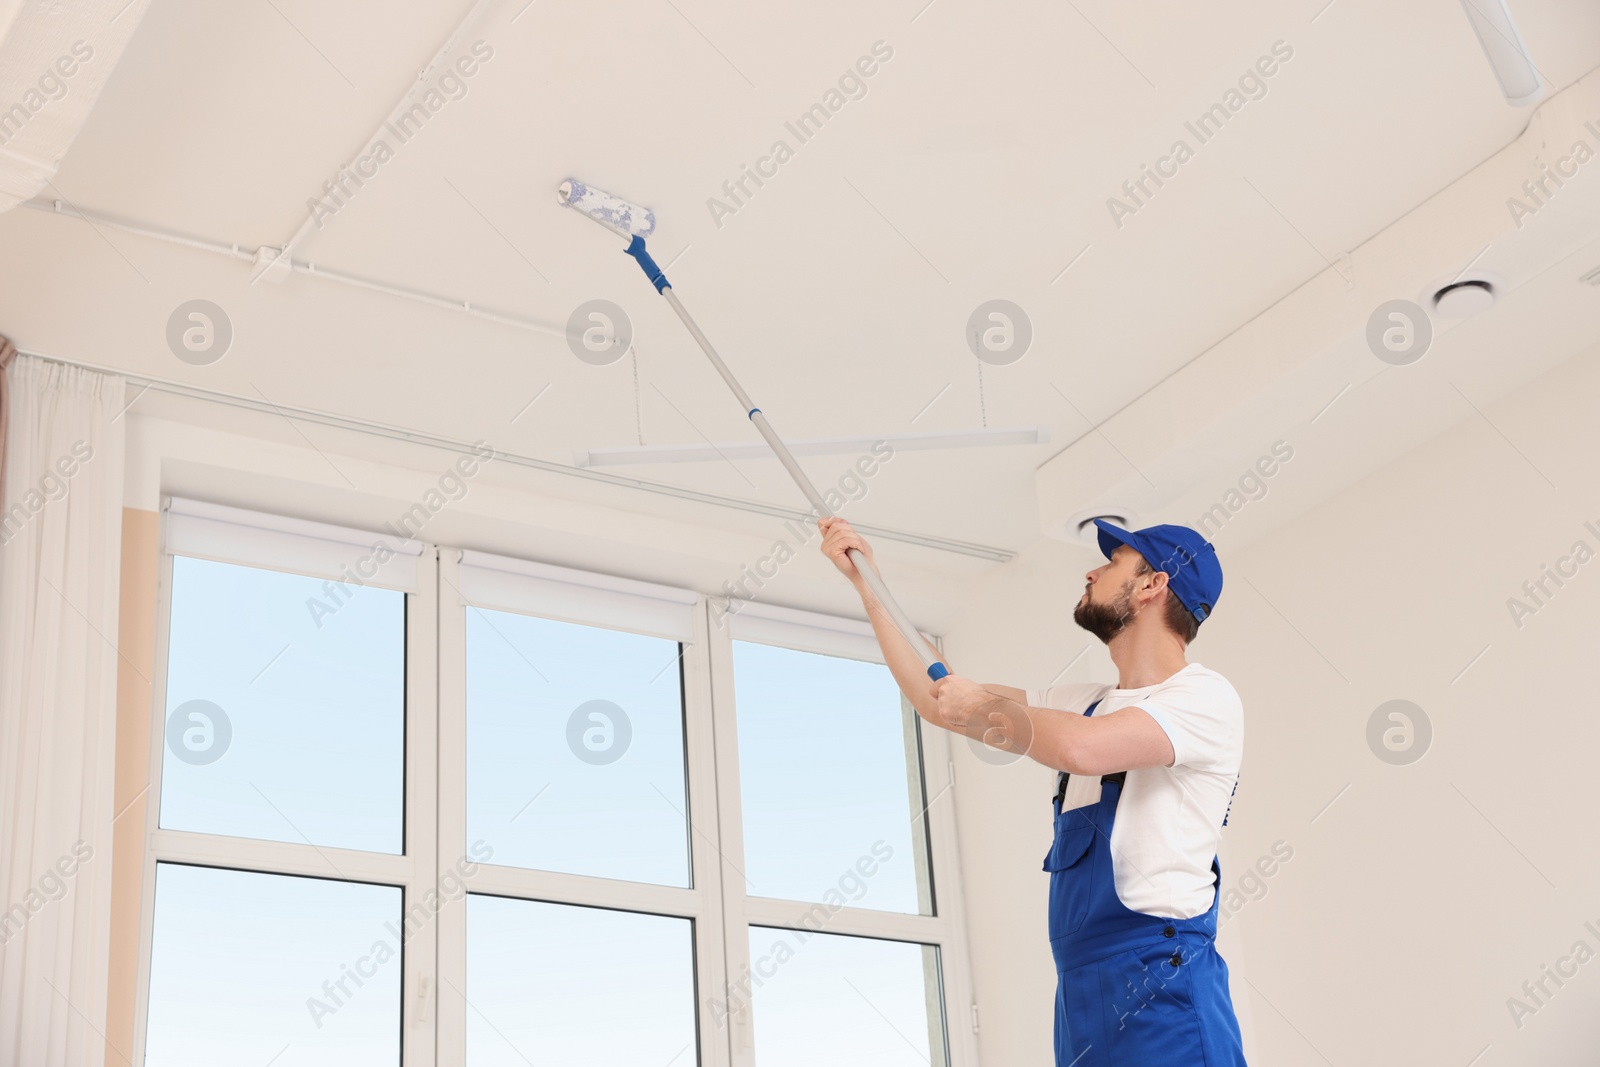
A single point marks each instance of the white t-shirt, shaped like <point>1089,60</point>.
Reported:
<point>1169,819</point>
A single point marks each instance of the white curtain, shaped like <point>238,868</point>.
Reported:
<point>60,557</point>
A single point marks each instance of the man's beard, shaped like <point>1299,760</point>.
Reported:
<point>1106,621</point>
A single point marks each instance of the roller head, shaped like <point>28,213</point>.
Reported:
<point>611,210</point>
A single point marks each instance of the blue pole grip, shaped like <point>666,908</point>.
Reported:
<point>637,250</point>
<point>937,671</point>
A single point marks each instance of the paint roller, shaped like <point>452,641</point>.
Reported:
<point>636,223</point>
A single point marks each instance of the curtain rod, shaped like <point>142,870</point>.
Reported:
<point>395,433</point>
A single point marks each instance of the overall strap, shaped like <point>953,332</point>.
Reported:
<point>1061,779</point>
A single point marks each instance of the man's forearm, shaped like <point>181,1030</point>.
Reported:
<point>912,677</point>
<point>1042,735</point>
<point>901,659</point>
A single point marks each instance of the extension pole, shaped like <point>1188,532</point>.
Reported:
<point>936,669</point>
<point>636,223</point>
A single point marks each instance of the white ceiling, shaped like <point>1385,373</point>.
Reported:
<point>978,165</point>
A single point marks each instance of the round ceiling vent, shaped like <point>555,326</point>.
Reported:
<point>1089,534</point>
<point>1461,299</point>
<point>1462,295</point>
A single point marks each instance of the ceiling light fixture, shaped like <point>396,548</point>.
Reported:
<point>1518,77</point>
<point>831,446</point>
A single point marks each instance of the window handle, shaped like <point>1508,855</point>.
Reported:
<point>742,1017</point>
<point>422,999</point>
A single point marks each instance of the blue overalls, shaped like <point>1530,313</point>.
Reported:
<point>1133,990</point>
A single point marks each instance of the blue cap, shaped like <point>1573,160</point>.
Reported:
<point>1189,561</point>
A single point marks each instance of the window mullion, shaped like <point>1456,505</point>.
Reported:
<point>449,996</point>
<point>420,984</point>
<point>732,1016</point>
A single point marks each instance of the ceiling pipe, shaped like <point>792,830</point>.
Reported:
<point>268,254</point>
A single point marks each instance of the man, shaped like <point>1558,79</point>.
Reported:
<point>1148,770</point>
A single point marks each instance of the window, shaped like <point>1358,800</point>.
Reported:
<point>284,724</point>
<point>239,955</point>
<point>575,748</point>
<point>486,810</point>
<point>558,983</point>
<point>880,1000</point>
<point>831,781</point>
<point>289,877</point>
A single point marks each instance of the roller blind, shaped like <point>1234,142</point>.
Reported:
<point>301,546</point>
<point>831,635</point>
<point>554,592</point>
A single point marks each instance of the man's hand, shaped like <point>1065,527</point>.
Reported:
<point>984,715</point>
<point>960,699</point>
<point>838,538</point>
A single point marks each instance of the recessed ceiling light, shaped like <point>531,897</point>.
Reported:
<point>1518,77</point>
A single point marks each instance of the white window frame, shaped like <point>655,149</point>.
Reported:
<point>433,1012</point>
<point>272,543</point>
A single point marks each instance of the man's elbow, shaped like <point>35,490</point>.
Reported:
<point>928,710</point>
<point>1071,756</point>
<point>1085,758</point>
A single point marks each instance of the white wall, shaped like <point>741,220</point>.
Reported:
<point>1421,900</point>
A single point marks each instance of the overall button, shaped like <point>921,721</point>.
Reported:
<point>1176,959</point>
<point>1168,932</point>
